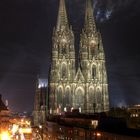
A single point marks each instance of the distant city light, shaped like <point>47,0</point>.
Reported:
<point>26,130</point>
<point>98,134</point>
<point>40,126</point>
<point>71,109</point>
<point>65,109</point>
<point>4,136</point>
<point>14,128</point>
<point>80,110</point>
<point>50,111</point>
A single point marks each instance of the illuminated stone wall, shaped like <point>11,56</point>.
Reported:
<point>86,87</point>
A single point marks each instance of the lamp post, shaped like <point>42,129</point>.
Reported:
<point>41,130</point>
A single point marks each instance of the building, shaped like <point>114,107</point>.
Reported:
<point>89,127</point>
<point>2,105</point>
<point>133,118</point>
<point>72,127</point>
<point>4,115</point>
<point>84,87</point>
<point>40,103</point>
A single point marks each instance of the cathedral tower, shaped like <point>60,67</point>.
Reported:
<point>63,63</point>
<point>86,87</point>
<point>93,64</point>
<point>40,102</point>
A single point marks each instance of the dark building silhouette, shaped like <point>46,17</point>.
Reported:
<point>40,102</point>
<point>2,105</point>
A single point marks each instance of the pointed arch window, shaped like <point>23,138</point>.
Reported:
<point>67,97</point>
<point>98,96</point>
<point>64,71</point>
<point>92,50</point>
<point>91,96</point>
<point>93,46</point>
<point>63,50</point>
<point>79,98</point>
<point>93,72</point>
<point>59,96</point>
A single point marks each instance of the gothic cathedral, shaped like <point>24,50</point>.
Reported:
<point>84,87</point>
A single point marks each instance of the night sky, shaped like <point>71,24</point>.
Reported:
<point>25,46</point>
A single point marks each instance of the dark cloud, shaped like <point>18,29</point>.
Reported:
<point>106,9</point>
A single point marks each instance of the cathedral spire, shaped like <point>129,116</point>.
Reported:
<point>62,20</point>
<point>89,17</point>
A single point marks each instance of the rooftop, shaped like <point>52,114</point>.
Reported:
<point>2,105</point>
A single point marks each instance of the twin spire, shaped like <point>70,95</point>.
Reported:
<point>62,20</point>
<point>89,17</point>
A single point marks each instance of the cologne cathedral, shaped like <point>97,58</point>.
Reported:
<point>84,87</point>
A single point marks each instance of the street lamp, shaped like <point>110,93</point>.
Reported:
<point>4,136</point>
<point>41,130</point>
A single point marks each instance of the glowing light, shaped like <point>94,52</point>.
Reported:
<point>17,137</point>
<point>40,126</point>
<point>50,111</point>
<point>71,109</point>
<point>26,130</point>
<point>92,42</point>
<point>94,123</point>
<point>80,110</point>
<point>20,131</point>
<point>137,105</point>
<point>63,40</point>
<point>14,129</point>
<point>4,136</point>
<point>28,122</point>
<point>98,134</point>
<point>65,109</point>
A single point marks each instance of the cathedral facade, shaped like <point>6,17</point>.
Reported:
<point>84,87</point>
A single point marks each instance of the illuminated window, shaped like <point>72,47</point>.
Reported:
<point>59,96</point>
